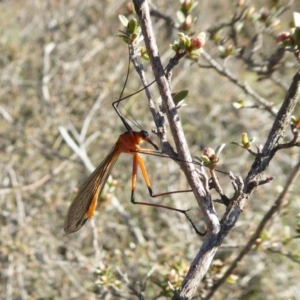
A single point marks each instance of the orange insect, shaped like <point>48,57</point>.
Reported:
<point>84,205</point>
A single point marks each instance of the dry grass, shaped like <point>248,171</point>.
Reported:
<point>39,172</point>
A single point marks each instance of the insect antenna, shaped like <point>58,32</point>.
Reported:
<point>116,104</point>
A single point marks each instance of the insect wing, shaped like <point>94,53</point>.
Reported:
<point>83,206</point>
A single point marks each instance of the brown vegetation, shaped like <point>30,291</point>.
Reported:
<point>61,67</point>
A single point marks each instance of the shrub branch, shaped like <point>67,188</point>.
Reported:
<point>216,230</point>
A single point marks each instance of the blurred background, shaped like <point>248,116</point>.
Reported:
<point>61,67</point>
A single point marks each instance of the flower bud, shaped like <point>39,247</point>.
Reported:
<point>187,24</point>
<point>245,139</point>
<point>210,153</point>
<point>197,43</point>
<point>264,14</point>
<point>283,36</point>
<point>186,5</point>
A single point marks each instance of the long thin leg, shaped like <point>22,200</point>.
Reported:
<point>146,178</point>
<point>137,160</point>
<point>133,177</point>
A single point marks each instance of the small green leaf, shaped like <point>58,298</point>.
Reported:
<point>180,96</point>
<point>232,279</point>
<point>205,159</point>
<point>236,143</point>
<point>239,104</point>
<point>123,20</point>
<point>239,26</point>
<point>174,47</point>
<point>296,16</point>
<point>187,42</point>
<point>221,48</point>
<point>146,57</point>
<point>125,38</point>
<point>193,6</point>
<point>180,104</point>
<point>198,158</point>
<point>180,16</point>
<point>133,26</point>
<point>296,36</point>
<point>122,35</point>
<point>219,149</point>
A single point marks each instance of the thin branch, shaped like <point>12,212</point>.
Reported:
<point>216,234</point>
<point>292,257</point>
<point>90,116</point>
<point>168,19</point>
<point>243,85</point>
<point>19,199</point>
<point>142,10</point>
<point>204,258</point>
<point>263,158</point>
<point>80,151</point>
<point>141,72</point>
<point>46,71</point>
<point>277,132</point>
<point>6,115</point>
<point>274,209</point>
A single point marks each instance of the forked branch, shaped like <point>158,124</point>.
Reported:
<point>216,231</point>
